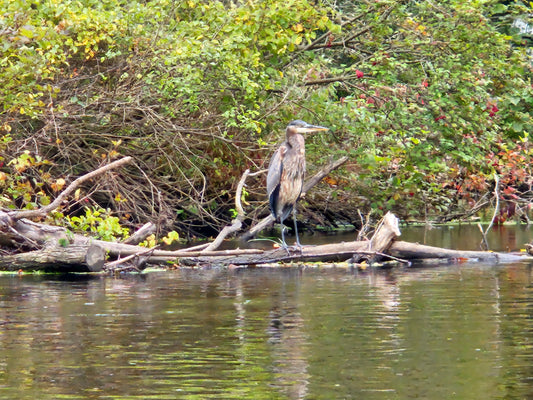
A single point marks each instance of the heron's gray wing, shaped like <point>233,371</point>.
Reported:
<point>274,172</point>
<point>275,169</point>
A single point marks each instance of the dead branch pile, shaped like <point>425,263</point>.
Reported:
<point>181,162</point>
<point>44,247</point>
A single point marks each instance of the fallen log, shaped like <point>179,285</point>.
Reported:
<point>382,239</point>
<point>324,253</point>
<point>46,247</point>
<point>59,249</point>
<point>371,250</point>
<point>399,251</point>
<point>76,253</point>
<point>382,245</point>
<point>88,257</point>
<point>422,253</point>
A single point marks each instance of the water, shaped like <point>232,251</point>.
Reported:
<point>464,237</point>
<point>458,331</point>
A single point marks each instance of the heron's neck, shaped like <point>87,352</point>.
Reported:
<point>296,140</point>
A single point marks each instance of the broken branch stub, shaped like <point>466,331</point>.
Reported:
<point>386,232</point>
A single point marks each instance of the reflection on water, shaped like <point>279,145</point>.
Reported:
<point>459,331</point>
<point>463,332</point>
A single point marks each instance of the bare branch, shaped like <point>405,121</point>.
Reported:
<point>323,173</point>
<point>16,215</point>
<point>237,222</point>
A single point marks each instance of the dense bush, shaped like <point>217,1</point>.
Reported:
<point>430,100</point>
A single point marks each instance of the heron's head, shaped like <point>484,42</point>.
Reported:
<point>299,126</point>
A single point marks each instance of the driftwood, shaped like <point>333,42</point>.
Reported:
<point>45,247</point>
<point>382,246</point>
<point>142,233</point>
<point>78,253</point>
<point>81,254</point>
<point>62,251</point>
<point>401,252</point>
<point>386,232</point>
<point>71,258</point>
<point>421,253</point>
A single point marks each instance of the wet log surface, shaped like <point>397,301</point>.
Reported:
<point>418,253</point>
<point>402,252</point>
<point>62,252</point>
<point>382,246</point>
<point>71,258</point>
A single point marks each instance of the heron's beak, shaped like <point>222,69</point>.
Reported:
<point>312,128</point>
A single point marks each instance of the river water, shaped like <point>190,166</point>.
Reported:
<point>462,331</point>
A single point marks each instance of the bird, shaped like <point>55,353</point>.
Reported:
<point>286,173</point>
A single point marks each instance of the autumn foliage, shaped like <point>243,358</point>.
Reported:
<point>430,100</point>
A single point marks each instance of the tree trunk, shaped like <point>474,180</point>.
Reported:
<point>421,253</point>
<point>78,257</point>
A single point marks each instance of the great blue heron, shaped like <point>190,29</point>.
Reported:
<point>286,174</point>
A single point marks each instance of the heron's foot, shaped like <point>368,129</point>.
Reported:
<point>291,250</point>
<point>295,248</point>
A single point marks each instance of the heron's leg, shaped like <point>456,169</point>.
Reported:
<point>296,229</point>
<point>283,243</point>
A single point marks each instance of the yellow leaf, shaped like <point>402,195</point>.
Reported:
<point>149,242</point>
<point>77,194</point>
<point>171,237</point>
<point>119,198</point>
<point>58,184</point>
